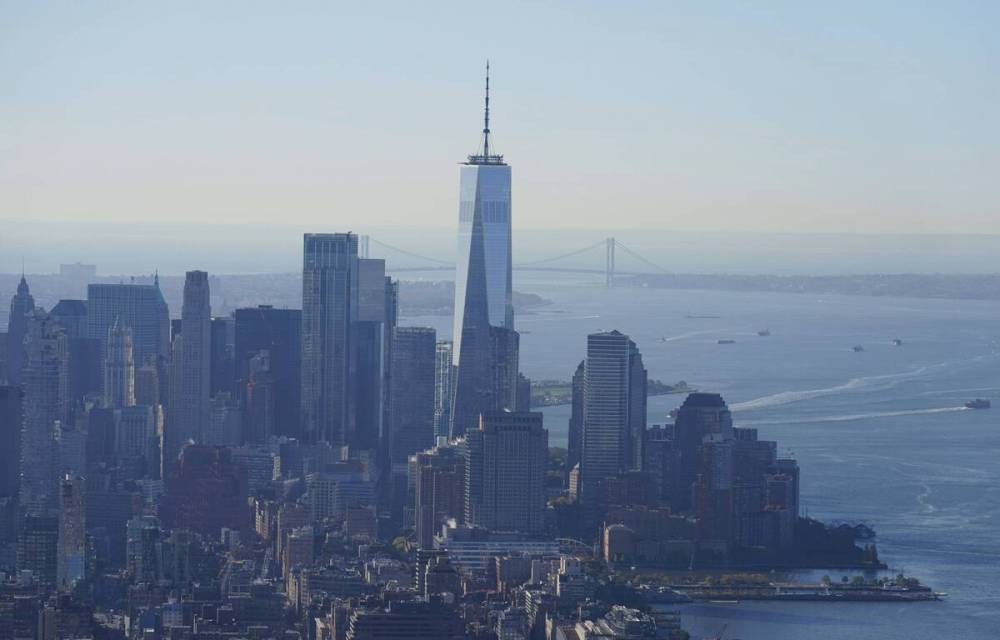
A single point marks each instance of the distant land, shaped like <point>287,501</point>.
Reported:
<point>985,286</point>
<point>229,292</point>
<point>432,297</point>
<point>548,393</point>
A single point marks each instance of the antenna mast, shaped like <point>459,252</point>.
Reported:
<point>486,117</point>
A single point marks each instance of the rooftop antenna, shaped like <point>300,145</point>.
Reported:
<point>486,117</point>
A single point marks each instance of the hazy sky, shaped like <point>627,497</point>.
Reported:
<point>868,116</point>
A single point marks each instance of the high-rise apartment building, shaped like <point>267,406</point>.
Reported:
<point>614,410</point>
<point>483,291</point>
<point>505,473</point>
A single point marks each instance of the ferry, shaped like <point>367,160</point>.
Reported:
<point>978,403</point>
<point>858,348</point>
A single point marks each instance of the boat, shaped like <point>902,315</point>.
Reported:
<point>978,403</point>
<point>897,342</point>
<point>726,341</point>
<point>764,333</point>
<point>858,348</point>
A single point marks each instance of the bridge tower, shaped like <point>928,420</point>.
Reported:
<point>609,263</point>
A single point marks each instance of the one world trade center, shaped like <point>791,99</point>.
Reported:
<point>485,343</point>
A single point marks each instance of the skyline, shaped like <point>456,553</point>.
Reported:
<point>786,119</point>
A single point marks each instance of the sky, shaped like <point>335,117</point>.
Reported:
<point>847,117</point>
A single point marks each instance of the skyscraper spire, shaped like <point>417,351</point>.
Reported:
<point>486,116</point>
<point>484,155</point>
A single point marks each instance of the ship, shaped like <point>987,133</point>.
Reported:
<point>978,403</point>
<point>726,341</point>
<point>858,348</point>
<point>897,342</point>
<point>764,332</point>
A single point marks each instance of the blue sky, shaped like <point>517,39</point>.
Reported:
<point>772,116</point>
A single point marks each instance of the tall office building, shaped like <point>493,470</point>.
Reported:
<point>17,328</point>
<point>444,387</point>
<point>614,410</point>
<point>72,542</point>
<point>370,344</point>
<point>703,416</point>
<point>505,473</point>
<point>278,332</point>
<point>10,440</point>
<point>190,396</point>
<point>45,382</point>
<point>439,490</point>
<point>141,307</point>
<point>329,309</point>
<point>413,364</point>
<point>483,292</point>
<point>575,440</point>
<point>222,365</point>
<point>119,368</point>
<point>38,548</point>
<point>85,356</point>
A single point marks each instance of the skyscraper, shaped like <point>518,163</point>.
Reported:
<point>190,411</point>
<point>444,387</point>
<point>279,333</point>
<point>413,363</point>
<point>439,490</point>
<point>10,440</point>
<point>505,473</point>
<point>483,292</point>
<point>119,368</point>
<point>370,342</point>
<point>702,416</point>
<point>45,383</point>
<point>20,306</point>
<point>71,566</point>
<point>575,440</point>
<point>85,354</point>
<point>614,410</point>
<point>141,307</point>
<point>329,309</point>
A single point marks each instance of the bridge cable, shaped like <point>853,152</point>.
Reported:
<point>640,258</point>
<point>565,255</point>
<point>410,253</point>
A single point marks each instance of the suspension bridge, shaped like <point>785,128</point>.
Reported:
<point>610,247</point>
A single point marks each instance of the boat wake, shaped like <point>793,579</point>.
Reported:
<point>856,416</point>
<point>865,383</point>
